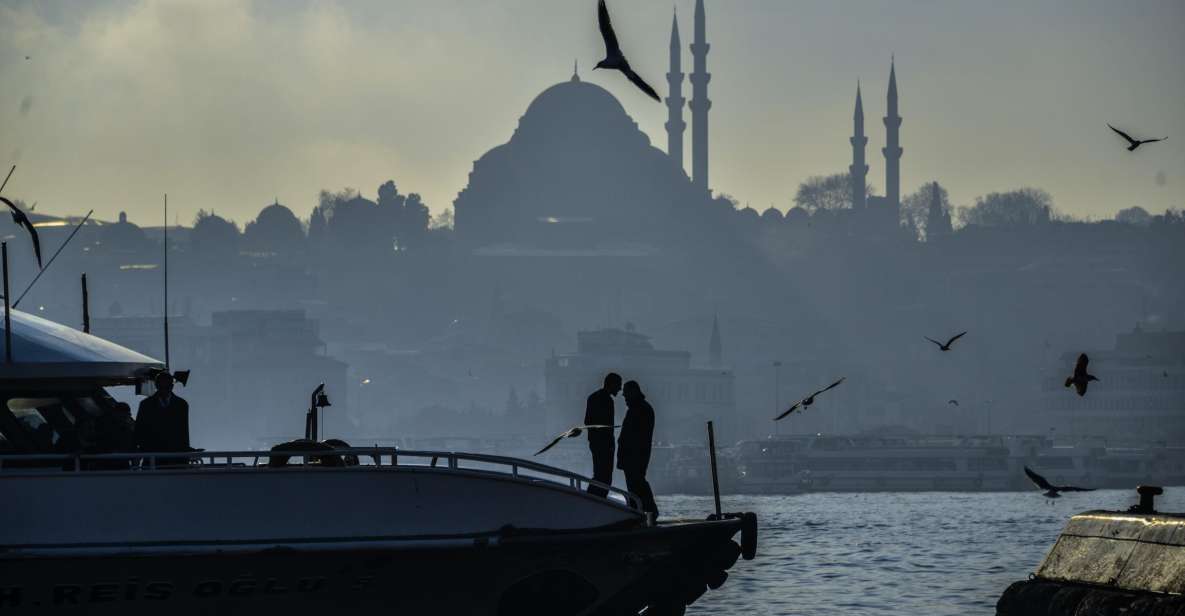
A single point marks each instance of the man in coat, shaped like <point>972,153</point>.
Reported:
<point>633,446</point>
<point>162,422</point>
<point>598,411</point>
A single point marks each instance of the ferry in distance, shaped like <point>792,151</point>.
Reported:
<point>863,463</point>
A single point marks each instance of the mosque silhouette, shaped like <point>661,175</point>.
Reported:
<point>578,177</point>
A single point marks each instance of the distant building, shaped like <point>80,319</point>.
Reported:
<point>684,397</point>
<point>1140,393</point>
<point>252,371</point>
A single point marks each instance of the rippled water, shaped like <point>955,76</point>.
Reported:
<point>892,553</point>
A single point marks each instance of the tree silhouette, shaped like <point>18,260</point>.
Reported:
<point>827,192</point>
<point>1024,206</point>
<point>1134,216</point>
<point>928,212</point>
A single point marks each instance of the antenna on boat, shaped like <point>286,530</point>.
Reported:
<point>86,308</point>
<point>7,316</point>
<point>51,259</point>
<point>165,310</point>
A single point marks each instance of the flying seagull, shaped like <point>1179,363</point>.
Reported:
<point>945,347</point>
<point>1080,378</point>
<point>572,433</point>
<point>1052,491</point>
<point>614,59</point>
<point>1134,143</point>
<point>21,219</point>
<point>807,401</point>
<point>954,402</point>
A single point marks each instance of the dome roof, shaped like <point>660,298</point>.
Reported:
<point>573,104</point>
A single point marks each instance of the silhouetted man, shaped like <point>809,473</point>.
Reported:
<point>162,423</point>
<point>598,411</point>
<point>633,446</point>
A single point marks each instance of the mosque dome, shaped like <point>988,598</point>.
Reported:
<point>575,173</point>
<point>577,108</point>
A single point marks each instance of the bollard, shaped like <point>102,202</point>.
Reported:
<point>1148,496</point>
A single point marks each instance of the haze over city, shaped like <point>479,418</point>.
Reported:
<point>228,105</point>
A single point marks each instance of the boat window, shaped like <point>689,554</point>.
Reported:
<point>31,412</point>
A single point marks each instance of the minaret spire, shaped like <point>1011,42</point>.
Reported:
<point>893,150</point>
<point>715,347</point>
<point>858,171</point>
<point>699,101</point>
<point>675,124</point>
<point>575,70</point>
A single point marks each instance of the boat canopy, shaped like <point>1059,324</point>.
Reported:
<point>46,351</point>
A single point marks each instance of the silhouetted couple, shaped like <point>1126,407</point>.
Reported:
<point>633,445</point>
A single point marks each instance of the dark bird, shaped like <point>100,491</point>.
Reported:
<point>1134,143</point>
<point>572,433</point>
<point>807,401</point>
<point>1166,374</point>
<point>954,402</point>
<point>21,219</point>
<point>1080,378</point>
<point>614,59</point>
<point>945,347</point>
<point>1052,491</point>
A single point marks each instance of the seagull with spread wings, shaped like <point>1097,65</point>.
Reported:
<point>1080,379</point>
<point>614,58</point>
<point>572,433</point>
<point>945,347</point>
<point>807,401</point>
<point>1132,144</point>
<point>1052,491</point>
<point>21,219</point>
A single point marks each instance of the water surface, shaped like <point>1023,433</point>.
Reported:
<point>892,553</point>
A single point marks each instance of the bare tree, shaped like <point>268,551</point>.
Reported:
<point>827,192</point>
<point>1024,206</point>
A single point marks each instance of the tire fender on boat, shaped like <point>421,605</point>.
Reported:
<point>748,535</point>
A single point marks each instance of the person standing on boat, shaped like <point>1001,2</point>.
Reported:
<point>633,446</point>
<point>162,423</point>
<point>598,411</point>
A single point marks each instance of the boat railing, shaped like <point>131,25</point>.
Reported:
<point>515,468</point>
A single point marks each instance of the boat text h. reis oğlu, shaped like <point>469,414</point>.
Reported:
<point>308,532</point>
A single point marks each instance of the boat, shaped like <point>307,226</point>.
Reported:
<point>863,463</point>
<point>308,529</point>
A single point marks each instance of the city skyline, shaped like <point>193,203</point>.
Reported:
<point>252,120</point>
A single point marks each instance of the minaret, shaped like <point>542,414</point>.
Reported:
<point>699,101</point>
<point>892,148</point>
<point>858,171</point>
<point>675,124</point>
<point>715,348</point>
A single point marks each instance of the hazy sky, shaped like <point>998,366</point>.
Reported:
<point>228,104</point>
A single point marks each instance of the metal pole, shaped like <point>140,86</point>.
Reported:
<point>715,478</point>
<point>86,308</point>
<point>165,310</point>
<point>7,311</point>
